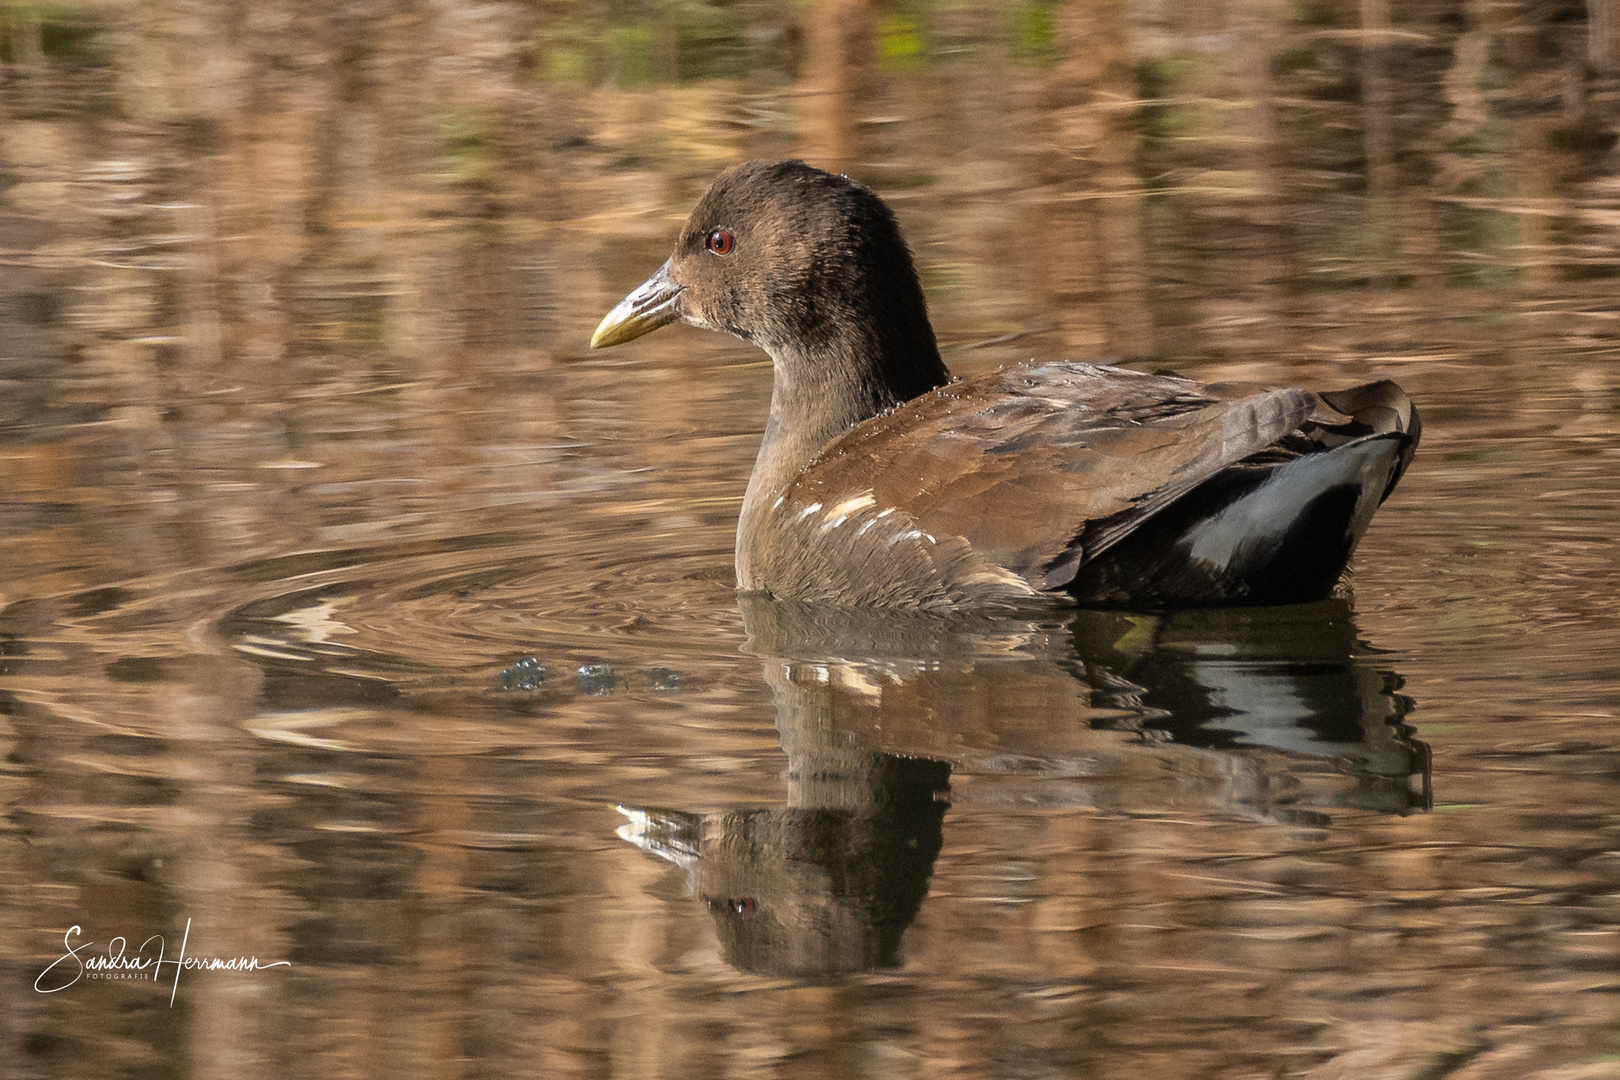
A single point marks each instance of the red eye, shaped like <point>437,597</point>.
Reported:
<point>742,905</point>
<point>721,242</point>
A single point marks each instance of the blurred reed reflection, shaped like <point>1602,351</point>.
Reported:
<point>1272,713</point>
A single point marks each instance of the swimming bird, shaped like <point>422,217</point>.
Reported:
<point>883,481</point>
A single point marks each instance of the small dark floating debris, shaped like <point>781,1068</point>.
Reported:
<point>662,678</point>
<point>595,679</point>
<point>523,675</point>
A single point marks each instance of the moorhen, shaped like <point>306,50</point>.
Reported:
<point>883,481</point>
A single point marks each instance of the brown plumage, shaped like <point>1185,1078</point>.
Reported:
<point>881,482</point>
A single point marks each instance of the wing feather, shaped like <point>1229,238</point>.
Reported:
<point>1040,468</point>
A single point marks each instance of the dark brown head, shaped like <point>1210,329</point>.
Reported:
<point>807,265</point>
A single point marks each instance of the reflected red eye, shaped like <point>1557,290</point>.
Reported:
<point>743,905</point>
<point>721,242</point>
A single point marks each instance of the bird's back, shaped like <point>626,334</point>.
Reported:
<point>1021,484</point>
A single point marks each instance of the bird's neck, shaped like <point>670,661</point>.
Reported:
<point>821,391</point>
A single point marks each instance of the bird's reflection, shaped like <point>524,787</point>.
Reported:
<point>1295,680</point>
<point>1274,714</point>
<point>821,886</point>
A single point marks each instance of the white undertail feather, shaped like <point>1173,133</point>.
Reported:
<point>1255,525</point>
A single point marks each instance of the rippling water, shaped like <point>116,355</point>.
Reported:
<point>356,616</point>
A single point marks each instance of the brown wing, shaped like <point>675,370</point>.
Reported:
<point>1006,470</point>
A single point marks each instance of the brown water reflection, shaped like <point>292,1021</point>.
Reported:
<point>300,448</point>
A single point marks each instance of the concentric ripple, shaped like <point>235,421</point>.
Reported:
<point>419,613</point>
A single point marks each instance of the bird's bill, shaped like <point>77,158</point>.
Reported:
<point>649,306</point>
